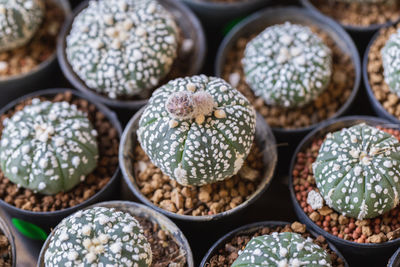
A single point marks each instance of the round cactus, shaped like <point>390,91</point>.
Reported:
<point>198,130</point>
<point>48,147</point>
<point>287,65</point>
<point>122,47</point>
<point>19,21</point>
<point>357,171</point>
<point>391,62</point>
<point>282,249</point>
<point>98,236</point>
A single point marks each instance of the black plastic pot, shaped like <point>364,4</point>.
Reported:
<point>252,228</point>
<point>36,225</point>
<point>19,85</point>
<point>270,16</point>
<point>138,210</point>
<point>5,229</point>
<point>191,29</point>
<point>264,139</point>
<point>395,259</point>
<point>370,254</point>
<point>376,105</point>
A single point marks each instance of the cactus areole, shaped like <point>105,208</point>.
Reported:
<point>122,47</point>
<point>357,171</point>
<point>98,236</point>
<point>391,62</point>
<point>48,147</point>
<point>19,21</point>
<point>282,250</point>
<point>287,65</point>
<point>198,130</point>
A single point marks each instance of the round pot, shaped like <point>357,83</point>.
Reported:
<point>138,210</point>
<point>395,259</point>
<point>376,105</point>
<point>187,22</point>
<point>271,16</point>
<point>264,139</point>
<point>377,253</point>
<point>19,85</point>
<point>7,232</point>
<point>36,225</point>
<point>353,29</point>
<point>252,228</point>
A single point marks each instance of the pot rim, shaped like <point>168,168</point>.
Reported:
<point>74,79</point>
<point>253,226</point>
<point>236,32</point>
<point>222,5</point>
<point>163,221</point>
<point>304,217</point>
<point>268,175</point>
<point>111,116</point>
<point>395,258</point>
<point>5,228</point>
<point>66,7</point>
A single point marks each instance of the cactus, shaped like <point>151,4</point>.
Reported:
<point>198,130</point>
<point>19,21</point>
<point>98,236</point>
<point>282,249</point>
<point>391,62</point>
<point>122,47</point>
<point>287,65</point>
<point>48,147</point>
<point>357,171</point>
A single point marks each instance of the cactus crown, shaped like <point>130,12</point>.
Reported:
<point>48,147</point>
<point>357,171</point>
<point>122,47</point>
<point>198,130</point>
<point>98,236</point>
<point>287,65</point>
<point>19,21</point>
<point>282,249</point>
<point>391,62</point>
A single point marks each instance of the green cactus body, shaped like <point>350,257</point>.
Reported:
<point>282,250</point>
<point>48,147</point>
<point>391,62</point>
<point>98,236</point>
<point>122,47</point>
<point>287,65</point>
<point>357,171</point>
<point>19,21</point>
<point>198,130</point>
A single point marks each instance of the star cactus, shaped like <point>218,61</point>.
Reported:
<point>391,62</point>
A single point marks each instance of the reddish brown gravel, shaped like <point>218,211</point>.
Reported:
<point>378,230</point>
<point>197,201</point>
<point>390,101</point>
<point>166,252</point>
<point>324,107</point>
<point>39,49</point>
<point>229,253</point>
<point>5,251</point>
<point>108,141</point>
<point>359,14</point>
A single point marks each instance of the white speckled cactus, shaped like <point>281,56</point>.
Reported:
<point>391,62</point>
<point>122,47</point>
<point>281,250</point>
<point>98,236</point>
<point>287,65</point>
<point>357,171</point>
<point>19,21</point>
<point>198,130</point>
<point>48,147</point>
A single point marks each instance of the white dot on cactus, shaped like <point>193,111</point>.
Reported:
<point>173,123</point>
<point>387,164</point>
<point>140,31</point>
<point>86,230</point>
<point>63,236</point>
<point>4,142</point>
<point>2,9</point>
<point>295,263</point>
<point>238,163</point>
<point>191,87</point>
<point>357,170</point>
<point>283,263</point>
<point>43,163</point>
<point>220,114</point>
<point>76,161</point>
<point>286,39</point>
<point>90,257</point>
<point>72,255</point>
<point>41,186</point>
<point>234,79</point>
<point>14,170</point>
<point>103,219</point>
<point>378,188</point>
<point>82,178</point>
<point>300,60</point>
<point>116,247</point>
<point>257,252</point>
<point>315,200</point>
<point>180,174</point>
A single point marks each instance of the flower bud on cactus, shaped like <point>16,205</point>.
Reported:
<point>287,65</point>
<point>281,250</point>
<point>48,147</point>
<point>122,47</point>
<point>391,62</point>
<point>98,236</point>
<point>357,171</point>
<point>198,130</point>
<point>19,21</point>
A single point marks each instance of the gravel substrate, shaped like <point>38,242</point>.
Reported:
<point>5,251</point>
